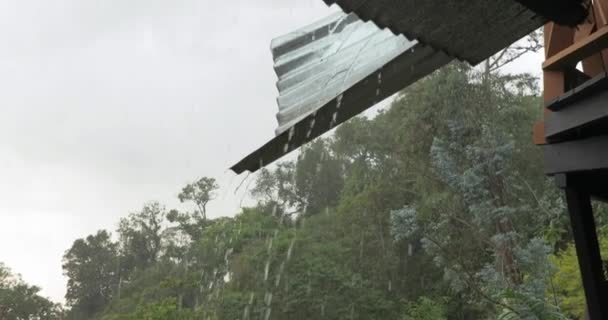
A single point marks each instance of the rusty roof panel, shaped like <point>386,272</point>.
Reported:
<point>470,30</point>
<point>333,70</point>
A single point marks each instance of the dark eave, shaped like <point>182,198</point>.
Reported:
<point>470,30</point>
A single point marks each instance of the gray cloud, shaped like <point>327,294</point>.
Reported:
<point>108,104</point>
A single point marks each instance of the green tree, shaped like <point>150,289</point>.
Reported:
<point>318,178</point>
<point>275,190</point>
<point>309,185</point>
<point>200,192</point>
<point>20,301</point>
<point>480,221</point>
<point>425,309</point>
<point>141,237</point>
<point>91,266</point>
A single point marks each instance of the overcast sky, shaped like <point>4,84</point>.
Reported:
<point>105,105</point>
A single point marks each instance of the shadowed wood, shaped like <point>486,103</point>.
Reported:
<point>576,156</point>
<point>578,51</point>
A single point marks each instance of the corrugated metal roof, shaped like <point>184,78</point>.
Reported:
<point>333,70</point>
<point>470,30</point>
<point>316,63</point>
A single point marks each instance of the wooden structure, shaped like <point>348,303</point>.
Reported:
<point>574,135</point>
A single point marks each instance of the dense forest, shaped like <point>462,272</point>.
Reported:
<point>435,208</point>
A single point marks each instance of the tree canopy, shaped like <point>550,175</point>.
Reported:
<point>435,208</point>
<point>21,301</point>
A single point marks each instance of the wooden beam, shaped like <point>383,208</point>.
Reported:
<point>557,38</point>
<point>575,156</point>
<point>579,120</point>
<point>538,133</point>
<point>583,91</point>
<point>554,85</point>
<point>578,51</point>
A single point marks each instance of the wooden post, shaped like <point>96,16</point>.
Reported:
<point>565,47</point>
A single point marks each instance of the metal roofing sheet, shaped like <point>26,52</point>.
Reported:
<point>316,63</point>
<point>333,70</point>
<point>470,30</point>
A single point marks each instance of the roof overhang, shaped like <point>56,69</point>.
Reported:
<point>333,70</point>
<point>327,75</point>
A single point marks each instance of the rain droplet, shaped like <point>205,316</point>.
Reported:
<point>290,250</point>
<point>268,298</point>
<point>309,285</point>
<point>312,123</point>
<point>228,253</point>
<point>278,279</point>
<point>292,131</point>
<point>246,313</point>
<point>274,210</point>
<point>270,245</point>
<point>334,118</point>
<point>339,101</point>
<point>266,270</point>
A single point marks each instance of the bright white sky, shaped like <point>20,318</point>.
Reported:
<point>108,104</point>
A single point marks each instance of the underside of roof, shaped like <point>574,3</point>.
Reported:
<point>470,30</point>
<point>333,70</point>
